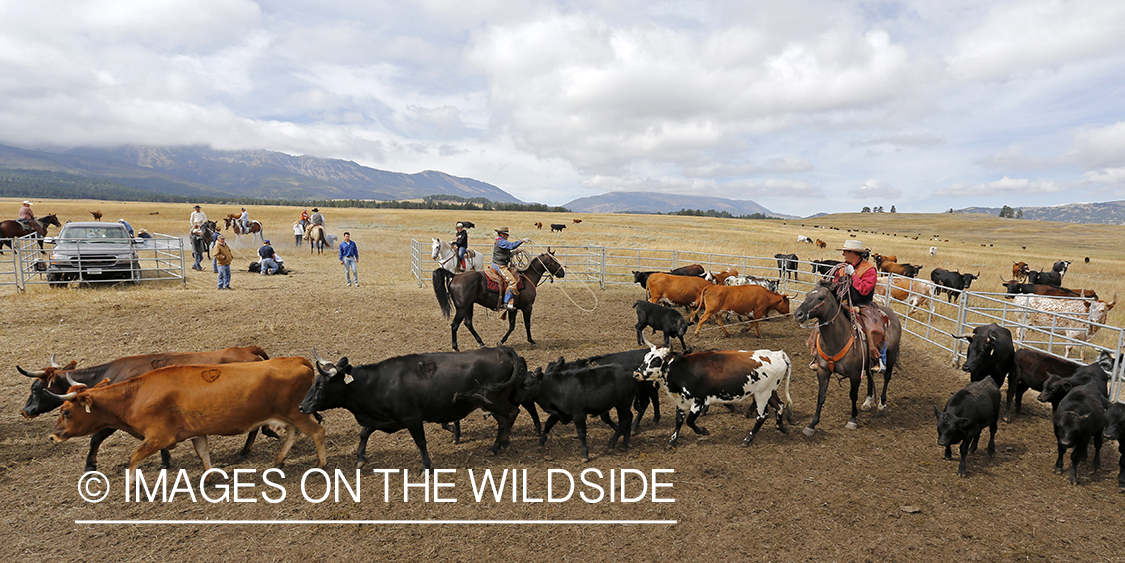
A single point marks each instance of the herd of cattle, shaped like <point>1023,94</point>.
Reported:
<point>163,399</point>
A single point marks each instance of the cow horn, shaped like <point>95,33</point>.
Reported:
<point>64,398</point>
<point>650,344</point>
<point>54,364</point>
<point>70,382</point>
<point>318,359</point>
<point>1114,302</point>
<point>40,373</point>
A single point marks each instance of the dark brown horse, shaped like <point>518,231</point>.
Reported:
<point>467,288</point>
<point>14,229</point>
<point>842,351</point>
<point>234,224</point>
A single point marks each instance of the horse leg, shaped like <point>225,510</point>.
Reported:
<point>853,423</point>
<point>886,383</point>
<point>822,377</point>
<point>527,324</point>
<point>511,327</point>
<point>469,324</point>
<point>457,318</point>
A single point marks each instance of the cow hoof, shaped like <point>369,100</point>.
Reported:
<point>809,431</point>
<point>586,459</point>
<point>90,468</point>
<point>360,464</point>
<point>704,432</point>
<point>489,453</point>
<point>851,425</point>
<point>280,465</point>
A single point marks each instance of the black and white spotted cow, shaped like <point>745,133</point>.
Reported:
<point>694,381</point>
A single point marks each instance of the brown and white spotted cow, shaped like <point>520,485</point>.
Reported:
<point>694,381</point>
<point>1075,318</point>
<point>916,293</point>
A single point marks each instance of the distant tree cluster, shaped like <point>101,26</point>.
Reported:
<point>719,214</point>
<point>1009,213</point>
<point>878,209</point>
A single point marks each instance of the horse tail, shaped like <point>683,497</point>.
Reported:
<point>441,279</point>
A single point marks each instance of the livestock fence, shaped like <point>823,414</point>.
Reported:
<point>933,318</point>
<point>158,259</point>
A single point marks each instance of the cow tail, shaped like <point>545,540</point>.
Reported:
<point>787,408</point>
<point>441,279</point>
<point>258,351</point>
<point>699,304</point>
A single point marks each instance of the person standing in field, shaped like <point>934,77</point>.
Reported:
<point>298,233</point>
<point>349,257</point>
<point>223,257</point>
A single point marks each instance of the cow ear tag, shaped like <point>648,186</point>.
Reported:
<point>348,378</point>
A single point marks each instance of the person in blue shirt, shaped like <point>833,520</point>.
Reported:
<point>349,257</point>
<point>128,227</point>
<point>501,259</point>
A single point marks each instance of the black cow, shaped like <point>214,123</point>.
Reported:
<point>1080,417</point>
<point>557,227</point>
<point>787,265</point>
<point>647,392</point>
<point>1115,430</point>
<point>823,266</point>
<point>952,283</point>
<point>642,277</point>
<point>1061,267</point>
<point>1056,387</point>
<point>1033,368</point>
<point>990,354</point>
<point>468,224</point>
<point>572,393</point>
<point>966,414</point>
<point>407,391</point>
<point>1014,288</point>
<point>665,319</point>
<point>1044,278</point>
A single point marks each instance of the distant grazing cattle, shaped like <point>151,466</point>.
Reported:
<point>694,381</point>
<point>787,265</point>
<point>821,244</point>
<point>751,280</point>
<point>966,415</point>
<point>538,224</point>
<point>803,238</point>
<point>933,251</point>
<point>666,320</point>
<point>1075,318</point>
<point>557,227</point>
<point>752,300</point>
<point>468,224</point>
<point>823,266</point>
<point>916,293</point>
<point>1087,259</point>
<point>97,215</point>
<point>952,283</point>
<point>577,221</point>
<point>990,354</point>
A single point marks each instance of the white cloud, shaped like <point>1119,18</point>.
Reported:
<point>875,189</point>
<point>1096,147</point>
<point>1107,177</point>
<point>1014,157</point>
<point>1003,186</point>
<point>1032,34</point>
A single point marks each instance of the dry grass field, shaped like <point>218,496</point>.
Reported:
<point>881,492</point>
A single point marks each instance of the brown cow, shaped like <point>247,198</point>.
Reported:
<point>173,404</point>
<point>881,259</point>
<point>721,277</point>
<point>538,225</point>
<point>1020,270</point>
<point>97,215</point>
<point>752,300</point>
<point>675,290</point>
<point>908,270</point>
<point>577,221</point>
<point>821,244</point>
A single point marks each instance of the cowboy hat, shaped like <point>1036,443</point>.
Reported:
<point>25,202</point>
<point>460,226</point>
<point>196,207</point>
<point>315,210</point>
<point>852,244</point>
<point>502,230</point>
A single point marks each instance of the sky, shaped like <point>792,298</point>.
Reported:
<point>803,106</point>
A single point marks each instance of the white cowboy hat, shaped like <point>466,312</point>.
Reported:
<point>853,245</point>
<point>25,202</point>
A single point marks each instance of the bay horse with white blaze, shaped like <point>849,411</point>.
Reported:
<point>836,335</point>
<point>467,288</point>
<point>14,229</point>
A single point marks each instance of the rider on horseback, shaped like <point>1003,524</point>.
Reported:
<point>501,260</point>
<point>859,277</point>
<point>244,219</point>
<point>26,216</point>
<point>461,245</point>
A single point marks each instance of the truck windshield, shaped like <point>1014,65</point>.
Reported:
<point>93,234</point>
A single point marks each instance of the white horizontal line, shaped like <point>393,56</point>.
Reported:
<point>381,522</point>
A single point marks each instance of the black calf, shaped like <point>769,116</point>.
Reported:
<point>966,414</point>
<point>666,320</point>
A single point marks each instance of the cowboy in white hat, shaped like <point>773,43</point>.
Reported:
<point>26,216</point>
<point>501,257</point>
<point>861,277</point>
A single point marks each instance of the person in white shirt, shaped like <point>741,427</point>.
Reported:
<point>198,218</point>
<point>298,233</point>
<point>244,219</point>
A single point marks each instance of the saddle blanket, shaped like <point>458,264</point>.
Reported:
<point>492,280</point>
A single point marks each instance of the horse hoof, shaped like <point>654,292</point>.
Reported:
<point>809,431</point>
<point>851,425</point>
<point>360,464</point>
<point>882,407</point>
<point>534,344</point>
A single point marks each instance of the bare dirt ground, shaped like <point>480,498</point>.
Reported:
<point>839,495</point>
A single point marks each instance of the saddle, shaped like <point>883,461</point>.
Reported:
<point>469,255</point>
<point>873,322</point>
<point>494,282</point>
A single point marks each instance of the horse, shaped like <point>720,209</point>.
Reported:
<point>11,229</point>
<point>234,224</point>
<point>316,237</point>
<point>446,257</point>
<point>465,289</point>
<point>836,336</point>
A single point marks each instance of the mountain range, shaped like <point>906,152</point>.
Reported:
<point>1109,213</point>
<point>200,171</point>
<point>647,202</point>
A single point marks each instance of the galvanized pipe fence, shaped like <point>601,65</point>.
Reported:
<point>158,259</point>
